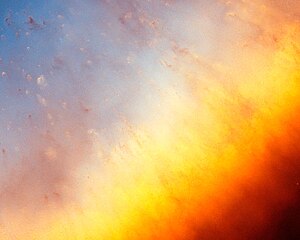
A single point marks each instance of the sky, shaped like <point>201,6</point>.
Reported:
<point>149,119</point>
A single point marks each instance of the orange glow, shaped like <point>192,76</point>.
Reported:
<point>215,145</point>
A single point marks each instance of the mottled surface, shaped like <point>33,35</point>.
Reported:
<point>149,119</point>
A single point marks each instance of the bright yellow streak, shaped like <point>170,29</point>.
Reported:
<point>172,175</point>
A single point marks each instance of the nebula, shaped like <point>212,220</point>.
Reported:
<point>150,119</point>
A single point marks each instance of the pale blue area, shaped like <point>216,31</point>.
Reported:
<point>98,66</point>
